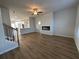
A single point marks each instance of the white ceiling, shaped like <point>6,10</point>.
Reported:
<point>44,5</point>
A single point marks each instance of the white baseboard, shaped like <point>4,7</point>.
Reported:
<point>64,36</point>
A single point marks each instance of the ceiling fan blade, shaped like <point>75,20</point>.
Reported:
<point>40,12</point>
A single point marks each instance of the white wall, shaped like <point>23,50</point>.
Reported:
<point>32,24</point>
<point>2,36</point>
<point>1,33</point>
<point>77,29</point>
<point>45,20</point>
<point>5,16</point>
<point>65,22</point>
<point>1,28</point>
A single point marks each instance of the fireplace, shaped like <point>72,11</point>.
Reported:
<point>46,28</point>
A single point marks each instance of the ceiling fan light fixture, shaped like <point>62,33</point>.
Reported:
<point>35,13</point>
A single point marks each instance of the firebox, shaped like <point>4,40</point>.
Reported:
<point>46,28</point>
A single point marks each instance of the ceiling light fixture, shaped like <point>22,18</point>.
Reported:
<point>35,11</point>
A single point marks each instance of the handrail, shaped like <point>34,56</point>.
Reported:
<point>8,26</point>
<point>11,33</point>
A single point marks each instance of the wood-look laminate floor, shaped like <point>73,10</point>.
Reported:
<point>36,46</point>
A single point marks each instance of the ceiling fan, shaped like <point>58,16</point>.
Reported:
<point>36,12</point>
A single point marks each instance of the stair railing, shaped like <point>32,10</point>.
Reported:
<point>11,34</point>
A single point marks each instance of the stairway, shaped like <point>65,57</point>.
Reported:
<point>11,40</point>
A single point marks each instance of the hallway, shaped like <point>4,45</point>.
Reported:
<point>39,46</point>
